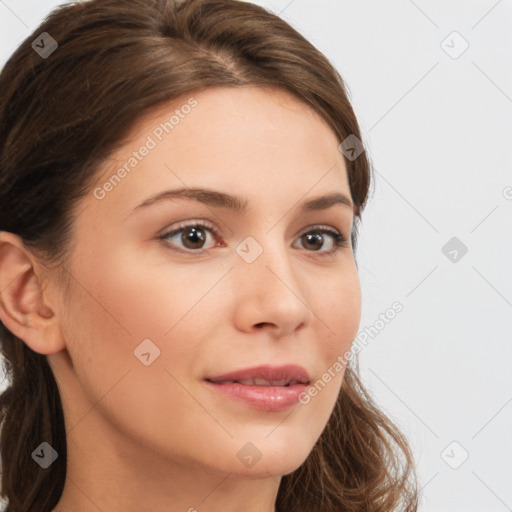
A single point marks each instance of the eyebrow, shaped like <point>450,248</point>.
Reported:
<point>239,205</point>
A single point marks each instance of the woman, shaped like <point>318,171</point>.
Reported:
<point>181,186</point>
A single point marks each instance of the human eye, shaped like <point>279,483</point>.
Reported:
<point>192,234</point>
<point>316,236</point>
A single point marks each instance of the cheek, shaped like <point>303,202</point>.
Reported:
<point>141,299</point>
<point>340,311</point>
<point>108,316</point>
<point>124,302</point>
<point>337,317</point>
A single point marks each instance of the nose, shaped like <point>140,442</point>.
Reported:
<point>270,293</point>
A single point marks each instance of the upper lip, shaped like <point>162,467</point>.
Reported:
<point>288,373</point>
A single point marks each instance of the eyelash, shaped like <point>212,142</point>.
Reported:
<point>339,239</point>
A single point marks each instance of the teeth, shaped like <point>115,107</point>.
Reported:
<point>253,382</point>
<point>264,382</point>
<point>261,382</point>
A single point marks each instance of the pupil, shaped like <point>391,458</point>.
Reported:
<point>193,237</point>
<point>319,239</point>
<point>196,235</point>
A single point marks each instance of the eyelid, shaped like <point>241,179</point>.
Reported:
<point>189,223</point>
<point>337,235</point>
<point>181,226</point>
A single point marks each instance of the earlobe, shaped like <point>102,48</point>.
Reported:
<point>22,307</point>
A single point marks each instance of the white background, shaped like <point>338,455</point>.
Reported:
<point>438,131</point>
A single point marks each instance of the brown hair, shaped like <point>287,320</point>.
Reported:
<point>62,115</point>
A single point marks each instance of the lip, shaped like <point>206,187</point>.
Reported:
<point>263,397</point>
<point>268,372</point>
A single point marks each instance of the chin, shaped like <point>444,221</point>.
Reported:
<point>267,469</point>
<point>278,458</point>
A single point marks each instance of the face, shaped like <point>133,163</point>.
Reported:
<point>168,294</point>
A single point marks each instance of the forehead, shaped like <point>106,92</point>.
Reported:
<point>244,140</point>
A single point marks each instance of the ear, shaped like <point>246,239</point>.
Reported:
<point>23,309</point>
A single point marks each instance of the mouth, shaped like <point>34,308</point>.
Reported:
<point>264,375</point>
<point>265,388</point>
<point>262,382</point>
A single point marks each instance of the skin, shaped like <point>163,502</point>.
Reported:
<point>155,437</point>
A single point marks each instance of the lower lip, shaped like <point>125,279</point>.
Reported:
<point>265,398</point>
